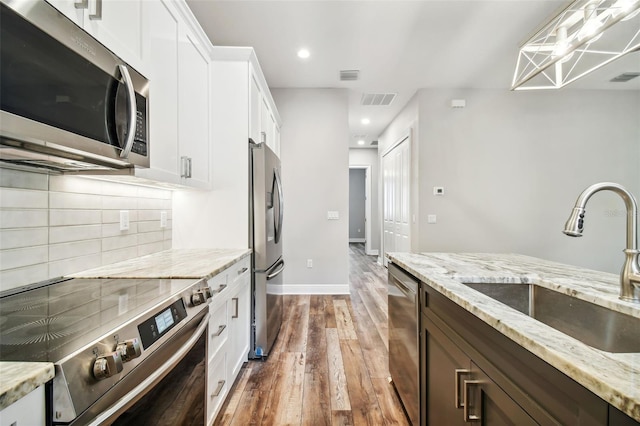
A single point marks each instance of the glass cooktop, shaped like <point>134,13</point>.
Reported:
<point>48,323</point>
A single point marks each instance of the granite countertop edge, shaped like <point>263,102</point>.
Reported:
<point>615,380</point>
<point>170,264</point>
<point>21,378</point>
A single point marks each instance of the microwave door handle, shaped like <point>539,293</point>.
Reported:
<point>278,227</point>
<point>131,99</point>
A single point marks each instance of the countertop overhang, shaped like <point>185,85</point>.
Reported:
<point>615,377</point>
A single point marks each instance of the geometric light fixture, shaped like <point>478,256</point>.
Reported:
<point>583,37</point>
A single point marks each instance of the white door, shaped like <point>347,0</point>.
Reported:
<point>396,169</point>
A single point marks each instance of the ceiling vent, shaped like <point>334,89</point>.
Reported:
<point>374,143</point>
<point>359,137</point>
<point>349,75</point>
<point>377,99</point>
<point>624,77</point>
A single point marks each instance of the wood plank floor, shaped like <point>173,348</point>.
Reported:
<point>329,365</point>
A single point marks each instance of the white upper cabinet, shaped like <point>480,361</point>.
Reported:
<point>194,92</point>
<point>178,61</point>
<point>161,52</point>
<point>116,24</point>
<point>255,104</point>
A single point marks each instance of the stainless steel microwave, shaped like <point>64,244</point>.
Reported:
<point>68,102</point>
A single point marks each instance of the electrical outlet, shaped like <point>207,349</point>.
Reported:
<point>432,218</point>
<point>124,220</point>
<point>309,263</point>
<point>163,219</point>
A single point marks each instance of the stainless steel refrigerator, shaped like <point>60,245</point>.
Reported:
<point>266,241</point>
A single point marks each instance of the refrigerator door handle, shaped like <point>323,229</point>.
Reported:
<point>278,225</point>
<point>278,266</point>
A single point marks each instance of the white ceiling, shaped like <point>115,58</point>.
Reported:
<point>398,46</point>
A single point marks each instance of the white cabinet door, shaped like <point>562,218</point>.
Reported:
<point>27,411</point>
<point>240,322</point>
<point>193,110</point>
<point>116,24</point>
<point>255,105</point>
<point>161,53</point>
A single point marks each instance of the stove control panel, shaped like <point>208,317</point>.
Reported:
<point>107,365</point>
<point>159,324</point>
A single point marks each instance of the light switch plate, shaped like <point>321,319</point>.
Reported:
<point>124,220</point>
<point>432,218</point>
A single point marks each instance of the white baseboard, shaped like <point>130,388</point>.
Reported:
<point>315,289</point>
<point>373,252</point>
<point>357,240</point>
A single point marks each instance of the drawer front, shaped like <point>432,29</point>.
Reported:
<point>218,330</point>
<point>217,386</point>
<point>240,272</point>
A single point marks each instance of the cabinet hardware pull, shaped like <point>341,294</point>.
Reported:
<point>235,300</point>
<point>222,287</point>
<point>81,4</point>
<point>220,330</point>
<point>468,417</point>
<point>97,14</point>
<point>459,373</point>
<point>183,166</point>
<point>242,271</point>
<point>189,159</point>
<point>218,389</point>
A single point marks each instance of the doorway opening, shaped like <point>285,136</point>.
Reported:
<point>360,205</point>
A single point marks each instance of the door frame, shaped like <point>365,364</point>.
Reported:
<point>367,205</point>
<point>405,136</point>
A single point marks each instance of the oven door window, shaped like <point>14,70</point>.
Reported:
<point>178,399</point>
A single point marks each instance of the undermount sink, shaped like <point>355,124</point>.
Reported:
<point>594,325</point>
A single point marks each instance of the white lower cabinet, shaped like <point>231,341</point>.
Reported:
<point>229,328</point>
<point>27,411</point>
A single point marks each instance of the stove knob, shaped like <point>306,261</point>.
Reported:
<point>208,292</point>
<point>107,365</point>
<point>129,349</point>
<point>198,298</point>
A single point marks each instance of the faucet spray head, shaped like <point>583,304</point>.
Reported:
<point>575,223</point>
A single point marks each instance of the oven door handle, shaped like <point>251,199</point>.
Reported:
<point>139,391</point>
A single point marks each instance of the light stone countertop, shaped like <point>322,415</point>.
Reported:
<point>17,379</point>
<point>173,263</point>
<point>615,377</point>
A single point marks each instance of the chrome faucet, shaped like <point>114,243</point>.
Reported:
<point>630,275</point>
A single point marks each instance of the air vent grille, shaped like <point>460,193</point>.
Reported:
<point>377,99</point>
<point>374,143</point>
<point>624,77</point>
<point>359,137</point>
<point>349,75</point>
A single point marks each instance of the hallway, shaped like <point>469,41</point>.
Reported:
<point>330,363</point>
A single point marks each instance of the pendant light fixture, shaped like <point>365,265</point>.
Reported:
<point>583,37</point>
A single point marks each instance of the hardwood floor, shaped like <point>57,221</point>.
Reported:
<point>329,365</point>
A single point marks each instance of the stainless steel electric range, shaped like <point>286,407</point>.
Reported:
<point>123,349</point>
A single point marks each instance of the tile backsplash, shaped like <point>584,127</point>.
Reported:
<point>52,225</point>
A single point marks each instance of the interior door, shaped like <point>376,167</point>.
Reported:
<point>396,166</point>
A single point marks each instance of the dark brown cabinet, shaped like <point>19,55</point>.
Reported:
<point>473,374</point>
<point>457,392</point>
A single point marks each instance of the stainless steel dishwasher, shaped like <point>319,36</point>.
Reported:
<point>404,339</point>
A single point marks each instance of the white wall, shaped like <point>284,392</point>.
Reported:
<point>52,226</point>
<point>315,167</point>
<point>513,163</point>
<point>369,157</point>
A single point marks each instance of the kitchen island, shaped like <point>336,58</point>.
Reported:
<point>613,377</point>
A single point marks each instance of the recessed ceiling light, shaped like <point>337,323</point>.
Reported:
<point>303,53</point>
<point>360,142</point>
<point>365,121</point>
